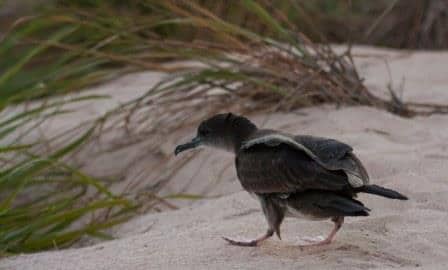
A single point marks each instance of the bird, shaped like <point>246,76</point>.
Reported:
<point>299,176</point>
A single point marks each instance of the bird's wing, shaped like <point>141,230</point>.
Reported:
<point>336,155</point>
<point>276,162</point>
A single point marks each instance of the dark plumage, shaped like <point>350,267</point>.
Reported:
<point>308,176</point>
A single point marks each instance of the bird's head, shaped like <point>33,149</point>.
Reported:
<point>224,131</point>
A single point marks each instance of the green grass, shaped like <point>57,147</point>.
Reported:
<point>44,202</point>
<point>42,197</point>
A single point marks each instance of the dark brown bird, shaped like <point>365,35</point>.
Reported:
<point>297,176</point>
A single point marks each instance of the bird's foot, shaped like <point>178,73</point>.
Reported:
<point>251,243</point>
<point>316,244</point>
<point>337,225</point>
<point>313,240</point>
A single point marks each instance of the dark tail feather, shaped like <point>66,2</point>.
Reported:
<point>350,207</point>
<point>343,206</point>
<point>381,191</point>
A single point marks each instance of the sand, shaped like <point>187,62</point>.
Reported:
<point>408,155</point>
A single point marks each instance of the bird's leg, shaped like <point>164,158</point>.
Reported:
<point>274,214</point>
<point>338,221</point>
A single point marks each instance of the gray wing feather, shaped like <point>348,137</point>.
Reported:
<point>336,155</point>
<point>328,150</point>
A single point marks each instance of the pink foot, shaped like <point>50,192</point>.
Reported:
<point>251,243</point>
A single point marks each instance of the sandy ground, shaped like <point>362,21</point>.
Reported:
<point>405,154</point>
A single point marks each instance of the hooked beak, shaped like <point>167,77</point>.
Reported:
<point>189,145</point>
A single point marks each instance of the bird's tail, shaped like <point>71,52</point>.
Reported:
<point>381,191</point>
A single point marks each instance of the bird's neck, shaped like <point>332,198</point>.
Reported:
<point>237,130</point>
<point>241,134</point>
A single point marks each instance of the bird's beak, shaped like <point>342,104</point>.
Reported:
<point>189,145</point>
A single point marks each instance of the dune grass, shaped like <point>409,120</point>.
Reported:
<point>41,196</point>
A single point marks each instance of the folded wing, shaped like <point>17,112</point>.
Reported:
<point>271,162</point>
